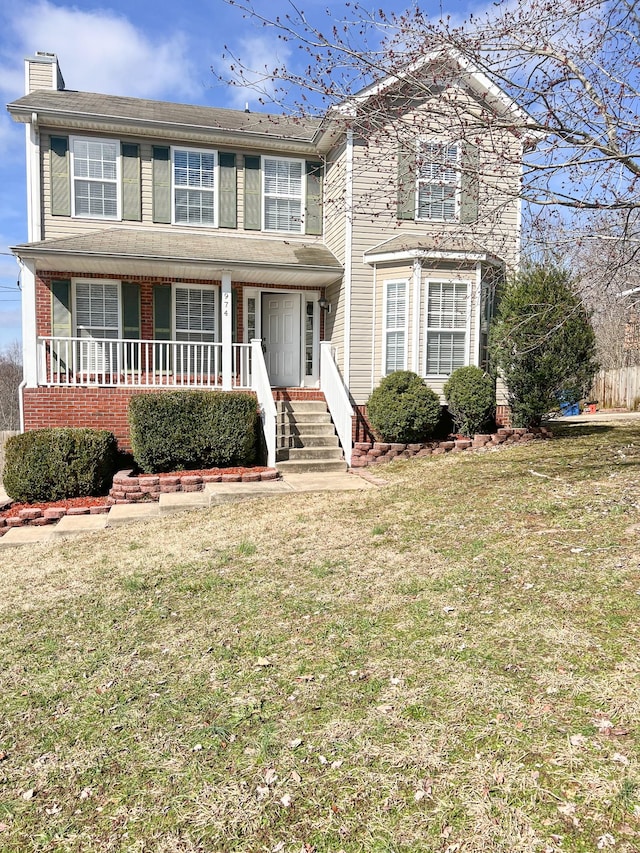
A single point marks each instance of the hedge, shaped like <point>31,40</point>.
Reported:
<point>58,463</point>
<point>183,430</point>
<point>471,398</point>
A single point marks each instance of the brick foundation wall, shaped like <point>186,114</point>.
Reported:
<point>503,416</point>
<point>100,408</point>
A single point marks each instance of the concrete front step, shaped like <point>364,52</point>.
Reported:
<point>299,406</point>
<point>304,428</point>
<point>291,453</point>
<point>310,466</point>
<point>306,440</point>
<point>304,417</point>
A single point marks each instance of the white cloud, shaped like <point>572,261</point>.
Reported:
<point>256,57</point>
<point>98,50</point>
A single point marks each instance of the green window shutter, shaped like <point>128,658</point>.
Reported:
<point>60,177</point>
<point>313,210</point>
<point>131,191</point>
<point>130,310</point>
<point>469,182</point>
<point>406,184</point>
<point>61,308</point>
<point>228,192</point>
<point>161,175</point>
<point>252,194</point>
<point>162,312</point>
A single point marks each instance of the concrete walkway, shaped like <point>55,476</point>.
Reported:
<point>212,495</point>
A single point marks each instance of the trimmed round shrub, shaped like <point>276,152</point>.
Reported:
<point>403,409</point>
<point>54,464</point>
<point>471,399</point>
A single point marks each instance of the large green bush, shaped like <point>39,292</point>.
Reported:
<point>471,399</point>
<point>542,343</point>
<point>176,430</point>
<point>52,464</point>
<point>402,408</point>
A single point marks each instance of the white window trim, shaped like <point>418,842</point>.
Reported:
<point>74,313</point>
<point>386,328</point>
<point>439,140</point>
<point>467,326</point>
<point>216,307</point>
<point>118,178</point>
<point>303,188</point>
<point>216,184</point>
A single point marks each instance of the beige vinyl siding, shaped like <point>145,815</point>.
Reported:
<point>59,226</point>
<point>334,239</point>
<point>41,75</point>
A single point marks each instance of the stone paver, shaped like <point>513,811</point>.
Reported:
<point>127,513</point>
<point>72,525</point>
<point>213,494</point>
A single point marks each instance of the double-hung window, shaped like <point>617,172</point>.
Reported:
<point>447,326</point>
<point>97,317</point>
<point>438,181</point>
<point>282,192</point>
<point>95,170</point>
<point>395,326</point>
<point>196,319</point>
<point>194,187</point>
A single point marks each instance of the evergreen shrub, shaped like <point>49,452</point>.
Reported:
<point>403,409</point>
<point>471,399</point>
<point>58,463</point>
<point>183,430</point>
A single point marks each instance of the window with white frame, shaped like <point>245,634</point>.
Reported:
<point>395,326</point>
<point>194,187</point>
<point>95,170</point>
<point>195,313</point>
<point>438,180</point>
<point>447,326</point>
<point>97,319</point>
<point>282,190</point>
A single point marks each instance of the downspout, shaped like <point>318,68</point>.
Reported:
<point>348,248</point>
<point>415,343</point>
<point>21,388</point>
<point>373,326</point>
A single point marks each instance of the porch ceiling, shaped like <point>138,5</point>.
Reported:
<point>135,251</point>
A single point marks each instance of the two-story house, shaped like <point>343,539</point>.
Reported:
<point>179,246</point>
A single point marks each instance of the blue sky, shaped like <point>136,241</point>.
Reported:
<point>144,49</point>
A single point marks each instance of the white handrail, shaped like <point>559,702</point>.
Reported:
<point>262,387</point>
<point>118,361</point>
<point>337,399</point>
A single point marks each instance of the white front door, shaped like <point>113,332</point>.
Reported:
<point>281,333</point>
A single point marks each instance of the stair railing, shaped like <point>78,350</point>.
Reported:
<point>337,398</point>
<point>262,387</point>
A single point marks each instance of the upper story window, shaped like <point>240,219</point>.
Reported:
<point>194,187</point>
<point>95,167</point>
<point>283,194</point>
<point>438,181</point>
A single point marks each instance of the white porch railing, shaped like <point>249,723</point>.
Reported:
<point>261,385</point>
<point>337,398</point>
<point>120,362</point>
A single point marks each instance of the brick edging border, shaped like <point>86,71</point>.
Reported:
<point>128,488</point>
<point>366,453</point>
<point>146,487</point>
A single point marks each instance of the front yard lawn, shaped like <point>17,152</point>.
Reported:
<point>450,663</point>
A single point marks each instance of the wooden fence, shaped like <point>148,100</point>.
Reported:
<point>617,389</point>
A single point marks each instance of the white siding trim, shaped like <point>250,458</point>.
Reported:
<point>475,358</point>
<point>348,256</point>
<point>34,206</point>
<point>374,314</point>
<point>415,348</point>
<point>29,333</point>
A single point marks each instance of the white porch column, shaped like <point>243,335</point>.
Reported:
<point>29,336</point>
<point>227,331</point>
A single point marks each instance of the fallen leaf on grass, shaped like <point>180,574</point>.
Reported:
<point>295,743</point>
<point>270,777</point>
<point>286,800</point>
<point>620,758</point>
<point>28,794</point>
<point>263,662</point>
<point>606,840</point>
